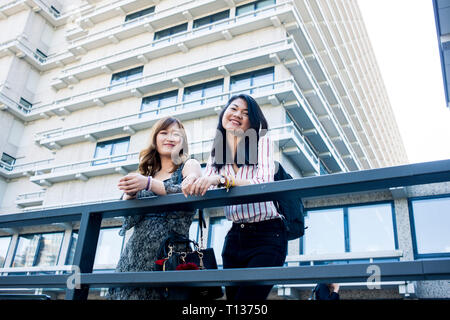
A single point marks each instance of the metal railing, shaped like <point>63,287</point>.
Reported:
<point>91,215</point>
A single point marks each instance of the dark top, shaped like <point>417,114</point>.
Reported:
<point>141,250</point>
<point>323,293</point>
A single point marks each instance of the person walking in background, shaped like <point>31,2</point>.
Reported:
<point>324,291</point>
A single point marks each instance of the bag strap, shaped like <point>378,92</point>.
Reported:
<point>201,225</point>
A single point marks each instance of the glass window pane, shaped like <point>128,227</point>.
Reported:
<point>193,231</point>
<point>26,250</point>
<point>109,248</point>
<point>218,230</point>
<point>431,224</point>
<point>167,100</point>
<point>49,246</point>
<point>134,73</point>
<point>120,147</point>
<point>192,93</point>
<point>325,233</point>
<point>73,245</point>
<point>4,246</point>
<point>264,3</point>
<point>138,14</point>
<point>262,79</point>
<point>245,8</point>
<point>371,228</point>
<point>102,150</point>
<point>8,159</point>
<point>239,83</point>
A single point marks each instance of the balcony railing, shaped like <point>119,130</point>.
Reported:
<point>160,19</point>
<point>26,169</point>
<point>30,199</point>
<point>91,216</point>
<point>183,41</point>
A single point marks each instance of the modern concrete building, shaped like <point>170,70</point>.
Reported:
<point>82,82</point>
<point>442,16</point>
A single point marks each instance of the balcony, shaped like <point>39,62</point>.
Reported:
<point>161,19</point>
<point>319,187</point>
<point>84,170</point>
<point>43,7</point>
<point>22,48</point>
<point>289,139</point>
<point>181,42</point>
<point>110,10</point>
<point>30,199</point>
<point>24,170</point>
<point>220,66</point>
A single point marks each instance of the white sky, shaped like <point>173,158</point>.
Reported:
<point>403,36</point>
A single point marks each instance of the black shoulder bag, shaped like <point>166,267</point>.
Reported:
<point>175,253</point>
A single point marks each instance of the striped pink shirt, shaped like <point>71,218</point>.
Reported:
<point>260,173</point>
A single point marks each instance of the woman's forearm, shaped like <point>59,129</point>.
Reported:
<point>158,187</point>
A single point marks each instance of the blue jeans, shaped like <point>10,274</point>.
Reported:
<point>253,245</point>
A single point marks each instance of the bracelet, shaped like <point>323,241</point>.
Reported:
<point>149,183</point>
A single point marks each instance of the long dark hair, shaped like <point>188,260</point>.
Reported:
<point>257,121</point>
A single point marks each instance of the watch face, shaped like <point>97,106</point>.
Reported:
<point>222,180</point>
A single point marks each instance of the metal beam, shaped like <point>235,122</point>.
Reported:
<point>438,269</point>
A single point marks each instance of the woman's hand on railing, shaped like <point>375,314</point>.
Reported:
<point>201,185</point>
<point>132,183</point>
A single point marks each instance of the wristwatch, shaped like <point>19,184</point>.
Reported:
<point>222,181</point>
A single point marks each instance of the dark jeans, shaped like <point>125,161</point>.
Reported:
<point>253,245</point>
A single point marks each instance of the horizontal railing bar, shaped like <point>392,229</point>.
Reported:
<point>438,269</point>
<point>333,184</point>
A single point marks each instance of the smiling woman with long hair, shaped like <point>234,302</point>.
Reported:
<point>243,154</point>
<point>164,168</point>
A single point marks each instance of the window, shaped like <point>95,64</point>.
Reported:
<point>38,250</point>
<point>72,247</point>
<point>4,246</point>
<point>111,148</point>
<point>55,11</point>
<point>160,103</point>
<point>7,162</point>
<point>127,75</point>
<point>25,105</point>
<point>138,14</point>
<point>194,233</point>
<point>170,31</point>
<point>261,79</point>
<point>109,248</point>
<point>218,228</point>
<point>40,55</point>
<point>371,228</point>
<point>209,89</point>
<point>325,233</point>
<point>253,6</point>
<point>362,228</point>
<point>323,168</point>
<point>211,19</point>
<point>430,219</point>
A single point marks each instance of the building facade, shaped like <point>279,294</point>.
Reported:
<point>442,16</point>
<point>82,83</point>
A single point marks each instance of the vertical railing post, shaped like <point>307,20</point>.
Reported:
<point>85,251</point>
